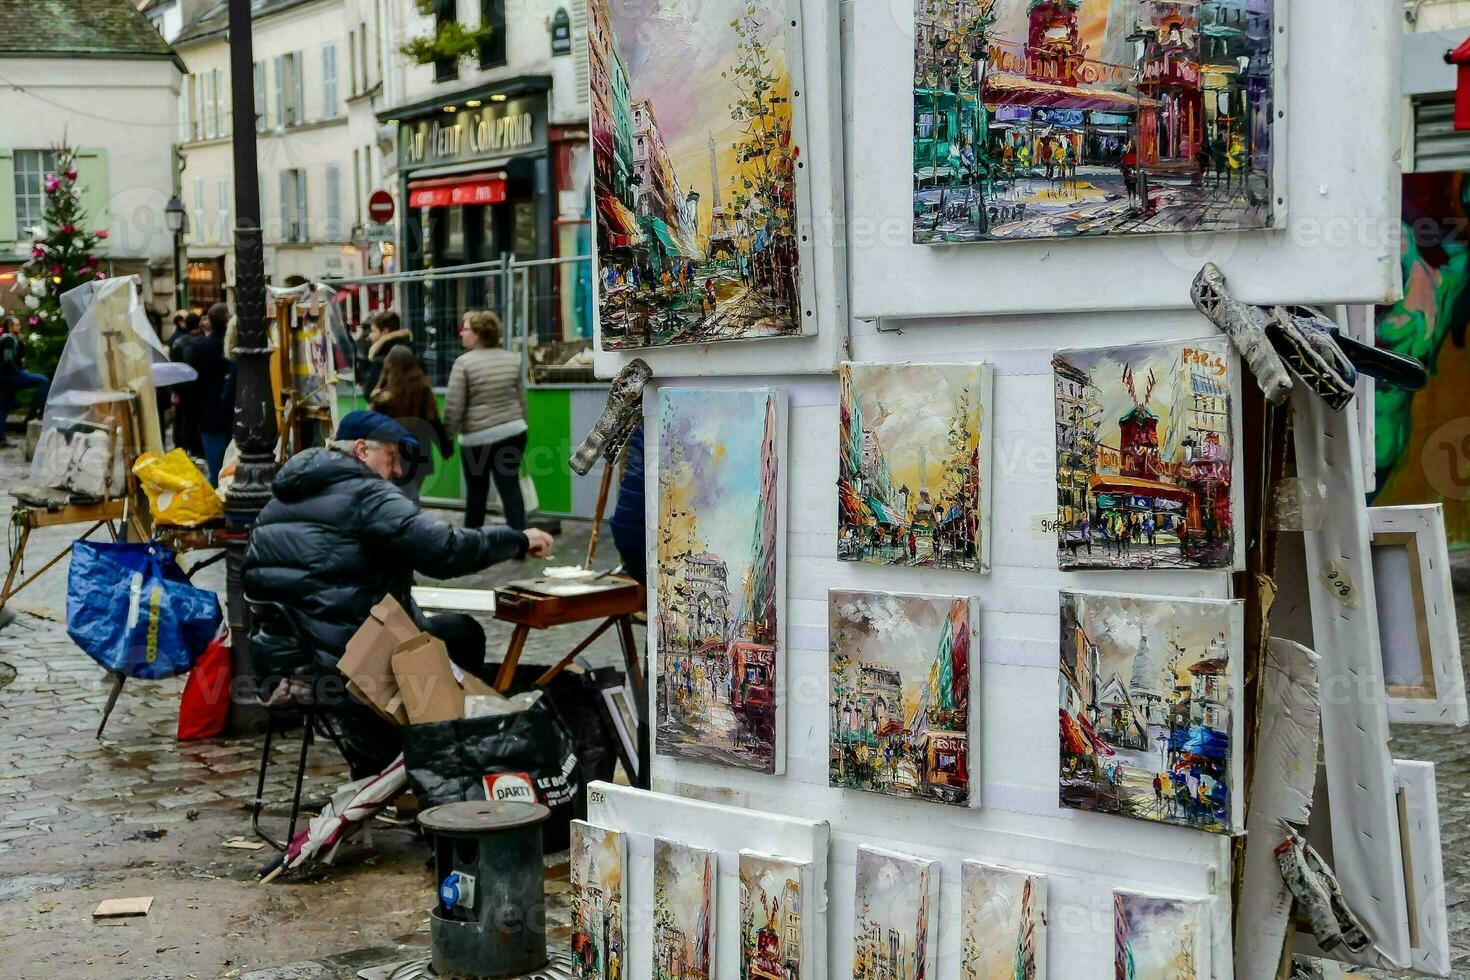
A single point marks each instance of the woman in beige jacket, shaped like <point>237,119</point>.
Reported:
<point>486,408</point>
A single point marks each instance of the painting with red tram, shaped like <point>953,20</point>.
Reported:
<point>1144,456</point>
<point>1060,118</point>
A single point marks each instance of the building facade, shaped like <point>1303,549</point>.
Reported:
<point>97,75</point>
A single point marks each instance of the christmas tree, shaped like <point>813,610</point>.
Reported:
<point>62,258</point>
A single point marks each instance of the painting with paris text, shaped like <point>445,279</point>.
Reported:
<point>694,168</point>
<point>1145,456</point>
<point>718,586</point>
<point>1039,119</point>
<point>1151,708</point>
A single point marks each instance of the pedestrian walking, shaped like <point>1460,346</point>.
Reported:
<point>14,378</point>
<point>1221,162</point>
<point>1128,166</point>
<point>486,408</point>
<point>184,395</point>
<point>214,417</point>
<point>385,332</point>
<point>403,393</point>
<point>913,547</point>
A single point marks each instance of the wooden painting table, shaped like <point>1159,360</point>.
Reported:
<point>41,507</point>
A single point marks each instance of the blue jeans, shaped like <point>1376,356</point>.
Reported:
<point>19,381</point>
<point>214,454</point>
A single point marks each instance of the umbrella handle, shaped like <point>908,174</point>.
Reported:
<point>273,870</point>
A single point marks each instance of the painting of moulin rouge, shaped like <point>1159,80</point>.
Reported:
<point>1058,118</point>
<point>911,487</point>
<point>1150,700</point>
<point>694,171</point>
<point>1144,454</point>
<point>771,926</point>
<point>900,695</point>
<point>718,575</point>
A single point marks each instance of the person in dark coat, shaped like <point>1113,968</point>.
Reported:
<point>185,395</point>
<point>335,538</point>
<point>214,416</point>
<point>384,333</point>
<point>14,378</point>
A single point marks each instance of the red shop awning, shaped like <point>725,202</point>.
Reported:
<point>452,192</point>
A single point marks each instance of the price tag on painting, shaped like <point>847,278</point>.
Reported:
<point>1340,584</point>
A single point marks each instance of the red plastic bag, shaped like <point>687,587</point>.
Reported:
<point>204,710</point>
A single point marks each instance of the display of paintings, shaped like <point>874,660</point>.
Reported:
<point>1150,708</point>
<point>1003,923</point>
<point>599,917</point>
<point>1160,938</point>
<point>694,171</point>
<point>718,580</point>
<point>684,925</point>
<point>913,474</point>
<point>771,926</point>
<point>897,907</point>
<point>1145,451</point>
<point>1110,117</point>
<point>900,695</point>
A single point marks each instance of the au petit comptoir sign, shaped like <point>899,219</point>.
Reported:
<point>496,129</point>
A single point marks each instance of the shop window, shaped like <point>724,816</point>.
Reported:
<point>445,69</point>
<point>31,168</point>
<point>492,48</point>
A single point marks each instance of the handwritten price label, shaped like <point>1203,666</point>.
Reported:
<point>596,797</point>
<point>1044,526</point>
<point>1340,584</point>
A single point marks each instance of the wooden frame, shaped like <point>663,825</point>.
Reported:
<point>1432,690</point>
<point>1418,801</point>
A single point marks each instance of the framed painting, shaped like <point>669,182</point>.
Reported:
<point>914,471</point>
<point>899,700</point>
<point>897,915</point>
<point>698,177</point>
<point>1417,628</point>
<point>1061,119</point>
<point>718,586</point>
<point>599,860</point>
<point>1002,923</point>
<point>773,927</point>
<point>1146,456</point>
<point>1160,938</point>
<point>685,886</point>
<point>1151,708</point>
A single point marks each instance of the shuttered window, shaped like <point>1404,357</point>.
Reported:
<point>1437,146</point>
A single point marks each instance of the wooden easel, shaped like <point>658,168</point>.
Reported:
<point>295,416</point>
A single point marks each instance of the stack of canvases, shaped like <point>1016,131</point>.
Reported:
<point>698,184</point>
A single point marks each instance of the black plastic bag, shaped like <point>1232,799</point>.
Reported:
<point>449,761</point>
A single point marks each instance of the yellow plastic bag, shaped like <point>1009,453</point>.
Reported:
<point>178,492</point>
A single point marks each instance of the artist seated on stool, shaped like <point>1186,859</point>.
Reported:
<point>337,536</point>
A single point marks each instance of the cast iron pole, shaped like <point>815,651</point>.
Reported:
<point>255,413</point>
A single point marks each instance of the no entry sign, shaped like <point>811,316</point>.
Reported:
<point>380,207</point>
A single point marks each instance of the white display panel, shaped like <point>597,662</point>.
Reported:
<point>1335,113</point>
<point>1086,856</point>
<point>1429,931</point>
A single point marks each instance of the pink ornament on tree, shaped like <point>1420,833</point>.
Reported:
<point>100,233</point>
<point>52,184</point>
<point>68,229</point>
<point>55,269</point>
<point>38,251</point>
<point>35,321</point>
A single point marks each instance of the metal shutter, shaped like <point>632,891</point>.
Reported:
<point>1437,146</point>
<point>579,49</point>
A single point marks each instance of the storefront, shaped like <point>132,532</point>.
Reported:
<point>206,280</point>
<point>477,181</point>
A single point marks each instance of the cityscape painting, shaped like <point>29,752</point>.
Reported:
<point>694,170</point>
<point>719,575</point>
<point>599,918</point>
<point>684,924</point>
<point>1150,708</point>
<point>1002,923</point>
<point>1061,118</point>
<point>1159,938</point>
<point>897,906</point>
<point>771,926</point>
<point>900,695</point>
<point>1144,456</point>
<point>911,481</point>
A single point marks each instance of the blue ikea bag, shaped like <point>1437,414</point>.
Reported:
<point>130,607</point>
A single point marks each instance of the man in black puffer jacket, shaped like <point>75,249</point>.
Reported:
<point>336,537</point>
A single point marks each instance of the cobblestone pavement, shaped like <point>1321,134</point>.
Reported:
<point>137,813</point>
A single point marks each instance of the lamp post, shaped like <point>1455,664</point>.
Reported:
<point>255,411</point>
<point>176,217</point>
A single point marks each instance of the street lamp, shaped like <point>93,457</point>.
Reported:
<point>176,217</point>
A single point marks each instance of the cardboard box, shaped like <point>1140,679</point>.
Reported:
<point>368,662</point>
<point>432,688</point>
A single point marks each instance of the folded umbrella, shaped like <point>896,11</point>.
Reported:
<point>349,810</point>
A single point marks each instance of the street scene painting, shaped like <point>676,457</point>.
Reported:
<point>1002,923</point>
<point>912,477</point>
<point>694,171</point>
<point>897,909</point>
<point>1145,450</point>
<point>599,917</point>
<point>1059,118</point>
<point>1150,708</point>
<point>684,924</point>
<point>900,695</point>
<point>771,926</point>
<point>719,568</point>
<point>1159,938</point>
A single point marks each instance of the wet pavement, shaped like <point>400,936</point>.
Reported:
<point>139,814</point>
